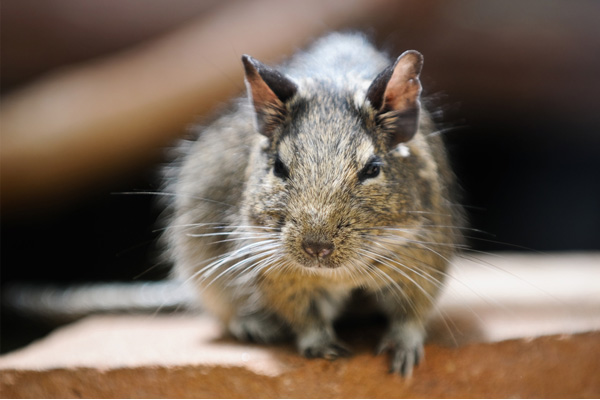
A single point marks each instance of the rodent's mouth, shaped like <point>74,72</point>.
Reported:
<point>320,264</point>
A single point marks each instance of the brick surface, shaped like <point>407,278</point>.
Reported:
<point>466,355</point>
<point>174,356</point>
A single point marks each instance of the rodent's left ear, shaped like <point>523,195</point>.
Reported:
<point>395,96</point>
<point>268,90</point>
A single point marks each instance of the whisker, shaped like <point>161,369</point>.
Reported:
<point>231,233</point>
<point>378,258</point>
<point>222,259</point>
<point>173,194</point>
<point>239,264</point>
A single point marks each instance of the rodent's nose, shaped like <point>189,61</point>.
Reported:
<point>318,249</point>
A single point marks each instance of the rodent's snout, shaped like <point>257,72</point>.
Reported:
<point>320,249</point>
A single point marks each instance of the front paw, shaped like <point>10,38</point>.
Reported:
<point>405,343</point>
<point>322,345</point>
<point>258,328</point>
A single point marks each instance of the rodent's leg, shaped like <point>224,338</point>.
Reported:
<point>310,313</point>
<point>260,327</point>
<point>406,332</point>
<point>404,339</point>
<point>319,340</point>
<point>243,314</point>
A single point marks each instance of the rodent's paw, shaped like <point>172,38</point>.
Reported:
<point>403,359</point>
<point>257,328</point>
<point>329,351</point>
<point>323,347</point>
<point>406,347</point>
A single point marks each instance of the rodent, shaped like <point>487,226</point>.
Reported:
<point>327,178</point>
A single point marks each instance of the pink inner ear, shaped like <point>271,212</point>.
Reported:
<point>262,95</point>
<point>403,89</point>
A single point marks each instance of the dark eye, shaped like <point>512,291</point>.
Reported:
<point>371,170</point>
<point>279,169</point>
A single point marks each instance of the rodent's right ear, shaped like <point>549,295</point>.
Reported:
<point>395,96</point>
<point>268,90</point>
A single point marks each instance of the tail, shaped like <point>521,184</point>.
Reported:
<point>59,304</point>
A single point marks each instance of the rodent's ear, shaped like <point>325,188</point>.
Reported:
<point>268,90</point>
<point>395,96</point>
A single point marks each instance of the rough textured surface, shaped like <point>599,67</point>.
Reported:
<point>163,357</point>
<point>188,355</point>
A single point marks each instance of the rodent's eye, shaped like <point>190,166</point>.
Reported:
<point>371,170</point>
<point>279,169</point>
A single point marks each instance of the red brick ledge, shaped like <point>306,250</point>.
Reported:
<point>546,367</point>
<point>466,355</point>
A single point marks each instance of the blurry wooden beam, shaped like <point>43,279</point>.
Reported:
<point>100,119</point>
<point>513,63</point>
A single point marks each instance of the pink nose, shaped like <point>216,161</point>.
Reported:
<point>318,249</point>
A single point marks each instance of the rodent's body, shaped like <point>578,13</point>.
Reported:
<point>327,181</point>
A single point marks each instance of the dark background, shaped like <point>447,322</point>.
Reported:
<point>517,82</point>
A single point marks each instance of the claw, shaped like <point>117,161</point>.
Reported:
<point>403,362</point>
<point>329,351</point>
<point>406,347</point>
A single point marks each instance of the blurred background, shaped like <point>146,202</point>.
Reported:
<point>93,93</point>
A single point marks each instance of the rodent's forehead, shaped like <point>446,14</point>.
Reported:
<point>335,148</point>
<point>326,128</point>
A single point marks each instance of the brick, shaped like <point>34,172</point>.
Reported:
<point>467,355</point>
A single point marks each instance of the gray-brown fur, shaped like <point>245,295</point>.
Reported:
<point>276,221</point>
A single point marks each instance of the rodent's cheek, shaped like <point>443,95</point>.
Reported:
<point>266,218</point>
<point>266,209</point>
<point>290,237</point>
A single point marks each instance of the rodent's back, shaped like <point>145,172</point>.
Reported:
<point>339,57</point>
<point>211,174</point>
<point>208,182</point>
<point>328,136</point>
<point>329,179</point>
